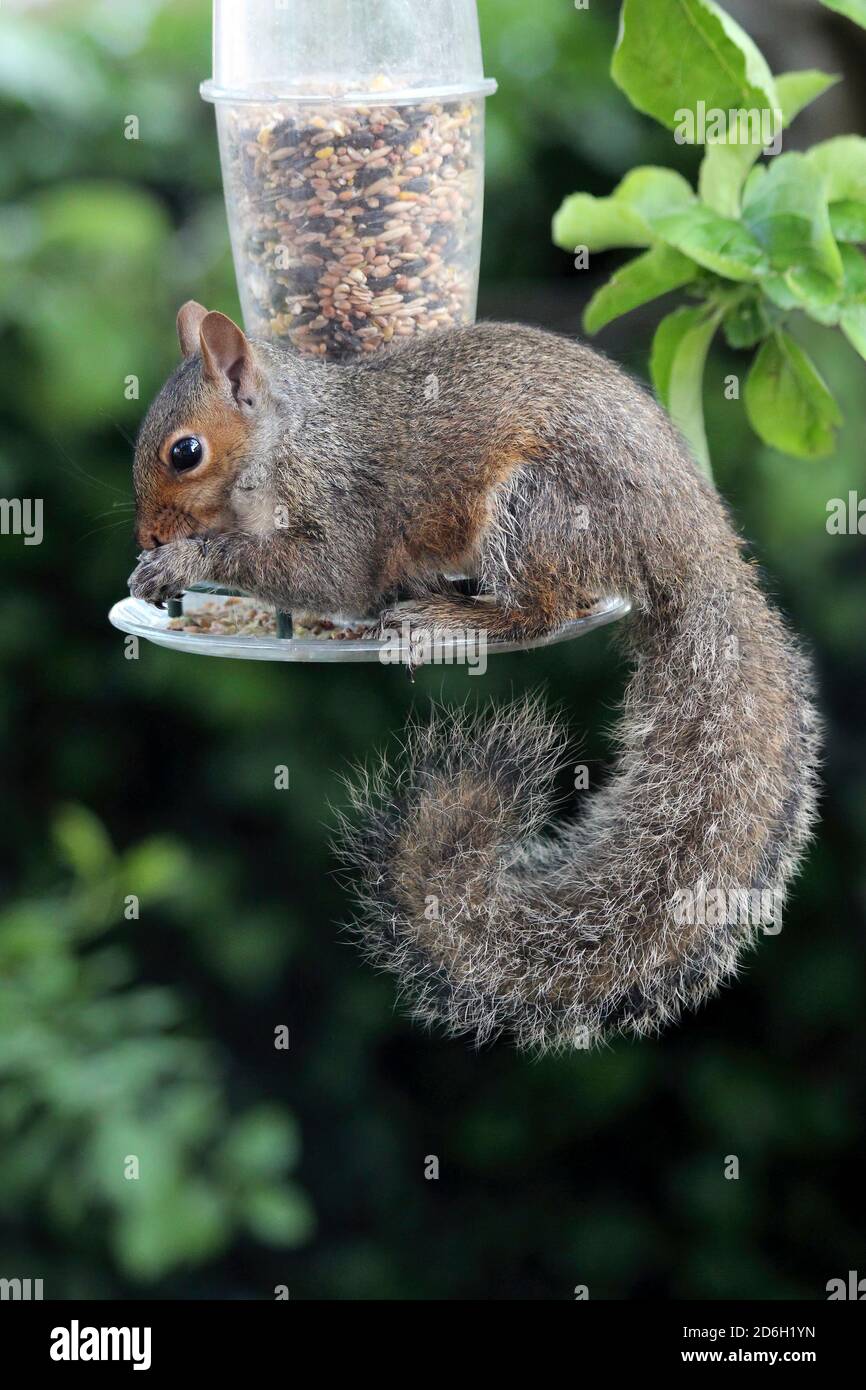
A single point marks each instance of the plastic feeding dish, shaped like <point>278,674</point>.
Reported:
<point>220,612</point>
<point>351,136</point>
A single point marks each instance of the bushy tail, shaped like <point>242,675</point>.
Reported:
<point>641,907</point>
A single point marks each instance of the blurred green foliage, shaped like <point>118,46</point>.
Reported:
<point>753,244</point>
<point>155,1036</point>
<point>108,1109</point>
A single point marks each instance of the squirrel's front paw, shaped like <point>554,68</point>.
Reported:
<point>163,573</point>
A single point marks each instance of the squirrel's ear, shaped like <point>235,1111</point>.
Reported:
<point>227,356</point>
<point>189,321</point>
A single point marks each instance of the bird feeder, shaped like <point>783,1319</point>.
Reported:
<point>351,137</point>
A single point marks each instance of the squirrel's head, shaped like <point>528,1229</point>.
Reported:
<point>197,435</point>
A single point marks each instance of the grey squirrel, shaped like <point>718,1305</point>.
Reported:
<point>547,474</point>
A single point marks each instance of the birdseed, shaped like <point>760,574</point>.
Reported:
<point>237,617</point>
<point>353,225</point>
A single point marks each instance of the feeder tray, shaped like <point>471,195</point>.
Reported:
<point>141,619</point>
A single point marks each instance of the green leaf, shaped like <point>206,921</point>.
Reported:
<point>83,841</point>
<point>788,404</point>
<point>843,161</point>
<point>278,1216</point>
<point>720,244</point>
<point>653,191</point>
<point>263,1143</point>
<point>851,9</point>
<point>780,293</point>
<point>816,294</point>
<point>853,318</point>
<point>786,210</point>
<point>745,323</point>
<point>623,218</point>
<point>174,1224</point>
<point>848,220</point>
<point>853,325</point>
<point>725,166</point>
<point>155,867</point>
<point>854,267</point>
<point>598,224</point>
<point>722,175</point>
<point>797,90</point>
<point>673,54</point>
<point>809,290</point>
<point>666,344</point>
<point>656,272</point>
<point>679,354</point>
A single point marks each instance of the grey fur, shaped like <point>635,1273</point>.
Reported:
<point>577,486</point>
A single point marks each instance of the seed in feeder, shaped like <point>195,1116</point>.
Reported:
<point>393,156</point>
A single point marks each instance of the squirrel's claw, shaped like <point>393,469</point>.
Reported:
<point>146,583</point>
<point>413,632</point>
<point>164,573</point>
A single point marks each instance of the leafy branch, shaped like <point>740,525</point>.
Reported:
<point>764,236</point>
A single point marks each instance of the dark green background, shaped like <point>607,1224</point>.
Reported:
<point>155,777</point>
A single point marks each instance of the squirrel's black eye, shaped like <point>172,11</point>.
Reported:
<point>186,452</point>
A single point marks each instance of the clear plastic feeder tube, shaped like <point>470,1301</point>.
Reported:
<point>352,144</point>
